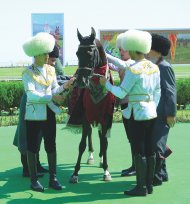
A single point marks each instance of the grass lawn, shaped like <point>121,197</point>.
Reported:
<point>181,71</point>
<point>15,190</point>
<point>17,72</point>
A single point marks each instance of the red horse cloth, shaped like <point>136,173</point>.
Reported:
<point>95,113</point>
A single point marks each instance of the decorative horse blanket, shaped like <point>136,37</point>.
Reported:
<point>82,102</point>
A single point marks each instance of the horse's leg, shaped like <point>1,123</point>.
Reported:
<point>100,153</point>
<point>90,147</point>
<point>104,145</point>
<point>82,147</point>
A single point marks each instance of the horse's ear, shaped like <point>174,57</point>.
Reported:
<point>93,33</point>
<point>79,35</point>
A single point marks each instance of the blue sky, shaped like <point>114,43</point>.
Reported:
<point>15,20</point>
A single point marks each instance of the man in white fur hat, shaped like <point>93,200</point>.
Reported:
<point>123,102</point>
<point>20,134</point>
<point>142,85</point>
<point>42,90</point>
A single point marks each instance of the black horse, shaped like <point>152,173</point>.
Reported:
<point>94,105</point>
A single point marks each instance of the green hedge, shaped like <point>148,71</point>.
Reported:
<point>183,92</point>
<point>11,92</point>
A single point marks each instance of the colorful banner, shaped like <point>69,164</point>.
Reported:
<point>173,39</point>
<point>53,24</point>
<point>180,43</point>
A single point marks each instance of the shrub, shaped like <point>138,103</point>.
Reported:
<point>10,94</point>
<point>183,92</point>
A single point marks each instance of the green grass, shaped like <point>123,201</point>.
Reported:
<point>6,72</point>
<point>17,72</point>
<point>91,189</point>
<point>181,71</point>
<point>182,55</point>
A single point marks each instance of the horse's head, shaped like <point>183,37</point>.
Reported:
<point>56,30</point>
<point>88,58</point>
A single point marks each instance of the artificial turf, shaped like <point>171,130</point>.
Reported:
<point>14,189</point>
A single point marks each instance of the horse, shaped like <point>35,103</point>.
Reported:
<point>56,36</point>
<point>95,104</point>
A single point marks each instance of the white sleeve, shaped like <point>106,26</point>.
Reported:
<point>125,87</point>
<point>129,80</point>
<point>112,67</point>
<point>116,90</point>
<point>33,95</point>
<point>157,91</point>
<point>56,89</point>
<point>118,62</point>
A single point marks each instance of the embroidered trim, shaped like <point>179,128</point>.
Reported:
<point>146,68</point>
<point>140,98</point>
<point>38,77</point>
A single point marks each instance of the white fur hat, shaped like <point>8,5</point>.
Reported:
<point>136,40</point>
<point>41,43</point>
<point>118,40</point>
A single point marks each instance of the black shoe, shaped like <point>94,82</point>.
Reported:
<point>132,168</point>
<point>132,173</point>
<point>165,178</point>
<point>128,169</point>
<point>137,191</point>
<point>157,182</point>
<point>41,169</point>
<point>128,172</point>
<point>124,170</point>
<point>54,183</point>
<point>149,189</point>
<point>36,186</point>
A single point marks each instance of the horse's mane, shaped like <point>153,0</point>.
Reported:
<point>101,52</point>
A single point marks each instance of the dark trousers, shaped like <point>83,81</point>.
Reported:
<point>126,122</point>
<point>160,136</point>
<point>48,130</point>
<point>141,136</point>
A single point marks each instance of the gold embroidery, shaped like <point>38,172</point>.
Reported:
<point>146,68</point>
<point>38,77</point>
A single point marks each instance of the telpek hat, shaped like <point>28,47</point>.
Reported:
<point>40,44</point>
<point>160,44</point>
<point>136,40</point>
<point>118,40</point>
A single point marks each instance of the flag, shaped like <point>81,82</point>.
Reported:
<point>173,39</point>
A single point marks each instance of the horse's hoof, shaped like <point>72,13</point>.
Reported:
<point>90,161</point>
<point>107,177</point>
<point>74,179</point>
<point>101,165</point>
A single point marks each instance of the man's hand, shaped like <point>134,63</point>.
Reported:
<point>171,120</point>
<point>69,84</point>
<point>58,99</point>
